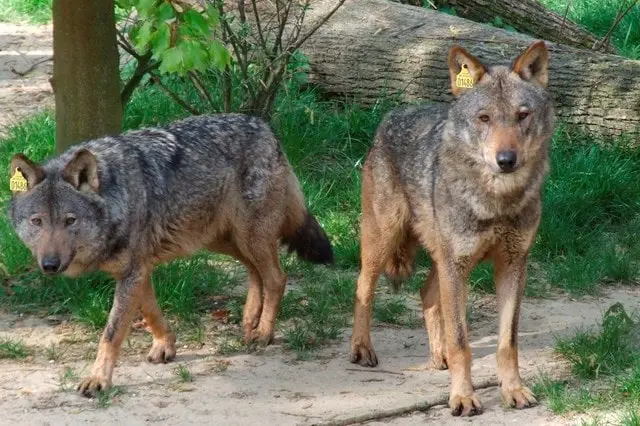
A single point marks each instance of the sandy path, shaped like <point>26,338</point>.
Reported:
<point>273,388</point>
<point>22,46</point>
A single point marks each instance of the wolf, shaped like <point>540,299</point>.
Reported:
<point>464,182</point>
<point>126,203</point>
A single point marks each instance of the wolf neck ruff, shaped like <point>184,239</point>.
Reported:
<point>18,182</point>
<point>464,78</point>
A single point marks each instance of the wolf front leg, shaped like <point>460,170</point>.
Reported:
<point>510,273</point>
<point>453,276</point>
<point>125,305</point>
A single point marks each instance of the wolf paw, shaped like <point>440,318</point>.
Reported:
<point>519,398</point>
<point>363,354</point>
<point>91,385</point>
<point>260,337</point>
<point>465,405</point>
<point>162,350</point>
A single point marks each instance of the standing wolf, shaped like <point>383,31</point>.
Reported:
<point>464,182</point>
<point>124,204</point>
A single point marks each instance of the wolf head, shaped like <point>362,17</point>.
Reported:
<point>503,118</point>
<point>60,215</point>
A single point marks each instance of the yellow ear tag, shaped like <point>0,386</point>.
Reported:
<point>17,182</point>
<point>464,78</point>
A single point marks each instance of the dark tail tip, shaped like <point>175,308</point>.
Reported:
<point>310,242</point>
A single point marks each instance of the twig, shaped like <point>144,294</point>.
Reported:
<point>282,21</point>
<point>318,25</point>
<point>197,83</point>
<point>619,16</point>
<point>142,68</point>
<point>226,75</point>
<point>31,68</point>
<point>126,46</point>
<point>376,370</point>
<point>297,27</point>
<point>441,399</point>
<point>173,96</point>
<point>263,44</point>
<point>564,17</point>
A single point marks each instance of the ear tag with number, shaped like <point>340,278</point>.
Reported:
<point>464,78</point>
<point>18,183</point>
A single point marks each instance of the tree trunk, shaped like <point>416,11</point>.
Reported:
<point>530,17</point>
<point>376,47</point>
<point>85,71</point>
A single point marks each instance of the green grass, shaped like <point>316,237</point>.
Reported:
<point>184,375</point>
<point>606,369</point>
<point>32,11</point>
<point>106,398</point>
<point>391,309</point>
<point>598,16</point>
<point>317,310</point>
<point>10,349</point>
<point>589,234</point>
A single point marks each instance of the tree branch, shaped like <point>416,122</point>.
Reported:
<point>142,68</point>
<point>258,26</point>
<point>386,413</point>
<point>173,95</point>
<point>197,83</point>
<point>317,26</point>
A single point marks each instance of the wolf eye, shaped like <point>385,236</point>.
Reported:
<point>69,221</point>
<point>484,118</point>
<point>522,115</point>
<point>36,221</point>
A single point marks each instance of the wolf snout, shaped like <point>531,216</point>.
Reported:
<point>507,160</point>
<point>50,264</point>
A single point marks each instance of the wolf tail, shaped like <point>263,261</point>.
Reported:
<point>302,233</point>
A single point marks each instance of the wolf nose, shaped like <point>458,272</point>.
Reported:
<point>51,264</point>
<point>507,160</point>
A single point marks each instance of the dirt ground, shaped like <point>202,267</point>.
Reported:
<point>270,387</point>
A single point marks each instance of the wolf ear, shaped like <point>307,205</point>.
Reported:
<point>32,172</point>
<point>459,59</point>
<point>82,171</point>
<point>532,64</point>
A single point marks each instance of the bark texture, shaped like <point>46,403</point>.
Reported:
<point>376,47</point>
<point>530,17</point>
<point>85,71</point>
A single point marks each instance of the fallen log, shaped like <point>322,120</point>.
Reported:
<point>376,47</point>
<point>529,17</point>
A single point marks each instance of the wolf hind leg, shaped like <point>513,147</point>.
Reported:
<point>253,305</point>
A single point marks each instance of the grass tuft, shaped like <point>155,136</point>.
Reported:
<point>31,11</point>
<point>11,349</point>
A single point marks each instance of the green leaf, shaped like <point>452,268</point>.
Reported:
<point>195,56</point>
<point>196,22</point>
<point>219,54</point>
<point>161,40</point>
<point>165,12</point>
<point>144,8</point>
<point>143,36</point>
<point>172,60</point>
<point>213,17</point>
